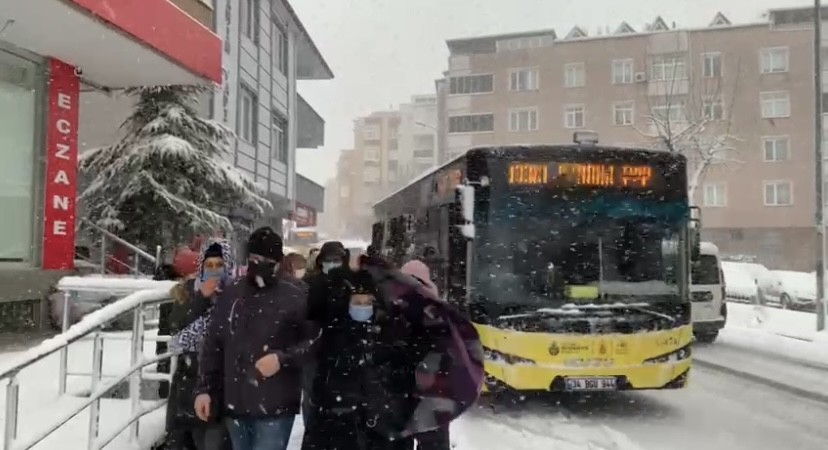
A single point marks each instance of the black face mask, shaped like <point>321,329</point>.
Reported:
<point>260,273</point>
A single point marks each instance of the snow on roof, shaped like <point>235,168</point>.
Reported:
<point>720,20</point>
<point>624,28</point>
<point>577,32</point>
<point>420,177</point>
<point>709,248</point>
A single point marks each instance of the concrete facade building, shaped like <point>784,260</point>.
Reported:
<point>751,85</point>
<point>417,136</point>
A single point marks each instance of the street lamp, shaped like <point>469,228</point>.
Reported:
<point>819,166</point>
<point>425,125</point>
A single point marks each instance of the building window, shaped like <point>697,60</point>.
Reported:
<point>712,65</point>
<point>775,60</point>
<point>523,80</point>
<point>372,153</point>
<point>250,19</point>
<point>18,149</point>
<point>776,148</point>
<point>622,71</point>
<point>471,84</point>
<point>668,68</point>
<point>778,193</point>
<point>477,123</point>
<point>280,49</point>
<point>574,75</point>
<point>371,174</point>
<point>279,147</point>
<point>713,108</point>
<point>776,104</point>
<point>715,195</point>
<point>669,113</point>
<point>574,116</point>
<point>523,119</point>
<point>623,113</point>
<point>248,120</point>
<point>371,133</point>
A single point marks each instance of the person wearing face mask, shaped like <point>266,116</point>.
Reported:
<point>356,368</point>
<point>254,350</point>
<point>294,266</point>
<point>195,297</point>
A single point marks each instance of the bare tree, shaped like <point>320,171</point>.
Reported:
<point>690,112</point>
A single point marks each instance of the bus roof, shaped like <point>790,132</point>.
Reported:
<point>518,150</point>
<point>708,248</point>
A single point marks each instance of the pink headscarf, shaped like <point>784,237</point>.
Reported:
<point>419,270</point>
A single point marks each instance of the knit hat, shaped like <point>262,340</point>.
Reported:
<point>265,243</point>
<point>420,271</point>
<point>214,251</point>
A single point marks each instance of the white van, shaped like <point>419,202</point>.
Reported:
<point>707,291</point>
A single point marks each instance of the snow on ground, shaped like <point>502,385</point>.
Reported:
<point>783,332</point>
<point>40,404</point>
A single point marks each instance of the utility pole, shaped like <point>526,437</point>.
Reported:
<point>820,207</point>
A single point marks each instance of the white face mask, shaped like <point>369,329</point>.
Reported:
<point>299,273</point>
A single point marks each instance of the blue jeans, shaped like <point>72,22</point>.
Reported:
<point>260,434</point>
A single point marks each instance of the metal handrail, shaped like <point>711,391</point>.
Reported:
<point>119,240</point>
<point>136,302</point>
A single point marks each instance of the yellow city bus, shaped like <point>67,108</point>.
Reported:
<point>572,261</point>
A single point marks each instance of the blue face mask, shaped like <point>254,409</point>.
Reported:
<point>328,265</point>
<point>361,313</point>
<point>206,274</point>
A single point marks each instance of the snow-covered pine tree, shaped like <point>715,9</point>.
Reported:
<point>165,179</point>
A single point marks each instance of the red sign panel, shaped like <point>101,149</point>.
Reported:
<point>61,167</point>
<point>305,216</point>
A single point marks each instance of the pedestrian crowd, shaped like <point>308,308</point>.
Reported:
<point>368,355</point>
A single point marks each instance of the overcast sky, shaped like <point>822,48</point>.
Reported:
<point>384,51</point>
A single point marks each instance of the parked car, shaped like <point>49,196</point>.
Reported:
<point>768,284</point>
<point>797,289</point>
<point>740,286</point>
<point>707,288</point>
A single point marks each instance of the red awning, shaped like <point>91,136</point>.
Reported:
<point>116,43</point>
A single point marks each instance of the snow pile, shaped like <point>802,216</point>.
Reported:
<point>783,332</point>
<point>738,283</point>
<point>100,283</point>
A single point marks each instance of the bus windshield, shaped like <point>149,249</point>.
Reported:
<point>537,246</point>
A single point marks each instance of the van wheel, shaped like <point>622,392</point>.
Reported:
<point>786,301</point>
<point>707,338</point>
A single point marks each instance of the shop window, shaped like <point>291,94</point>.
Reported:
<point>17,151</point>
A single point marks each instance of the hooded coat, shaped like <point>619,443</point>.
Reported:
<point>188,320</point>
<point>364,374</point>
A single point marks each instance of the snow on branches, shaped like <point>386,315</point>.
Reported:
<point>166,174</point>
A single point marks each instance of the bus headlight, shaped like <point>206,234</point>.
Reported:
<point>670,358</point>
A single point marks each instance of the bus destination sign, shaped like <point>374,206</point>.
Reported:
<point>597,175</point>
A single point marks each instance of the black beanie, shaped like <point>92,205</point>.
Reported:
<point>266,243</point>
<point>214,251</point>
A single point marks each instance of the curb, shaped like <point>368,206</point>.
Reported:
<point>812,395</point>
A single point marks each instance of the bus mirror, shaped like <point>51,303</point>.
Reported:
<point>466,199</point>
<point>695,239</point>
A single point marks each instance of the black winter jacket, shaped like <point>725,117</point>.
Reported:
<point>248,323</point>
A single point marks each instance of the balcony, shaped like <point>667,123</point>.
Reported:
<point>200,10</point>
<point>310,125</point>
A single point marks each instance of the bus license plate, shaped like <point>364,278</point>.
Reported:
<point>591,384</point>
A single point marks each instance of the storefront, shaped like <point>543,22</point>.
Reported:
<point>50,50</point>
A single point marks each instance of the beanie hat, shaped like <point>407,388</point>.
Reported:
<point>265,243</point>
<point>185,262</point>
<point>214,251</point>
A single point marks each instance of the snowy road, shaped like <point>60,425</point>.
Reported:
<point>717,412</point>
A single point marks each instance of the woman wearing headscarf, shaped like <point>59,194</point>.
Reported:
<point>194,299</point>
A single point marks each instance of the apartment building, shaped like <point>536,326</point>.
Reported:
<point>266,50</point>
<point>417,136</point>
<point>750,86</point>
<point>350,216</point>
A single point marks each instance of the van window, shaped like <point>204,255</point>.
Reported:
<point>705,270</point>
